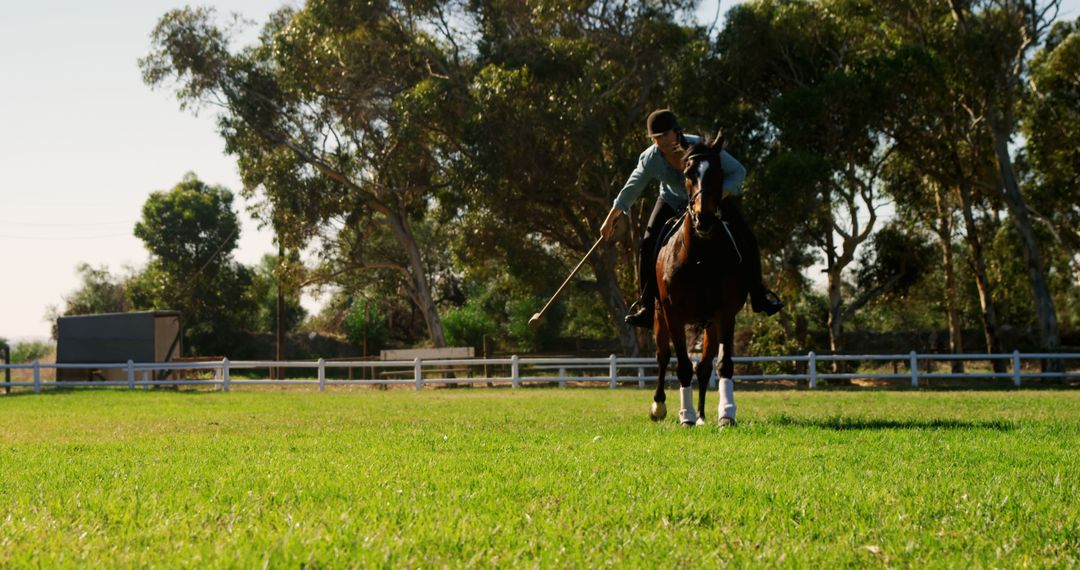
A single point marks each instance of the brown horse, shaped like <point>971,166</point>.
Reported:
<point>697,275</point>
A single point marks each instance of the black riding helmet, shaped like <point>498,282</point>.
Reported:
<point>661,121</point>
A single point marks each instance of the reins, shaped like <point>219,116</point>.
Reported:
<point>688,210</point>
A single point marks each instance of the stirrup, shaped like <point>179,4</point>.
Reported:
<point>767,302</point>
<point>640,315</point>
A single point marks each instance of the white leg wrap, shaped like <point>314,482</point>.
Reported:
<point>727,398</point>
<point>687,415</point>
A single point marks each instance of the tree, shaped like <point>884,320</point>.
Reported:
<point>809,71</point>
<point>99,292</point>
<point>1051,125</point>
<point>190,232</point>
<point>943,148</point>
<point>266,280</point>
<point>552,128</point>
<point>311,113</point>
<point>995,39</point>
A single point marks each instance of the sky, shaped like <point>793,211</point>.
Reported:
<point>85,142</point>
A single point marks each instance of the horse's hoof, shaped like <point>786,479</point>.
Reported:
<point>688,424</point>
<point>700,421</point>
<point>658,412</point>
<point>725,422</point>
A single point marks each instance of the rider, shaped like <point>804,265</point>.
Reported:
<point>663,162</point>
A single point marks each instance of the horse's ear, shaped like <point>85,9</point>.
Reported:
<point>718,143</point>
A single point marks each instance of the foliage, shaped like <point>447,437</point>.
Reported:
<point>365,323</point>
<point>468,325</point>
<point>453,160</point>
<point>100,292</point>
<point>519,310</point>
<point>894,261</point>
<point>265,280</point>
<point>542,478</point>
<point>29,351</point>
<point>191,231</point>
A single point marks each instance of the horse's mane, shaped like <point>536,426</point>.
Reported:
<point>697,150</point>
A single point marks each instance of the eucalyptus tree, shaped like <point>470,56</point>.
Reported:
<point>807,68</point>
<point>994,43</point>
<point>1051,127</point>
<point>941,144</point>
<point>313,115</point>
<point>557,106</point>
<point>190,232</point>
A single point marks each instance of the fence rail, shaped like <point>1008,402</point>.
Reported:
<point>517,370</point>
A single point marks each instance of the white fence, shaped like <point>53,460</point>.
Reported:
<point>517,370</point>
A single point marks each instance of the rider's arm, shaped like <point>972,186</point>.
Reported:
<point>734,173</point>
<point>608,228</point>
<point>635,184</point>
<point>630,192</point>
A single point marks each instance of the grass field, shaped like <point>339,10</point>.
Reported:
<point>544,477</point>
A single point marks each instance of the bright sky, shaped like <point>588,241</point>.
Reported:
<point>85,142</point>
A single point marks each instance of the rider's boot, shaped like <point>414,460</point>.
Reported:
<point>641,312</point>
<point>762,300</point>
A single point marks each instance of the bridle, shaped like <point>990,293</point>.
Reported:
<point>690,160</point>
<point>720,221</point>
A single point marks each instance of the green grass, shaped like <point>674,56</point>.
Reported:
<point>540,478</point>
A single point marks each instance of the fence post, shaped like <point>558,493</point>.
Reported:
<point>1016,368</point>
<point>322,374</point>
<point>225,374</point>
<point>812,369</point>
<point>562,376</point>
<point>37,377</point>
<point>515,371</point>
<point>418,373</point>
<point>913,363</point>
<point>131,374</point>
<point>145,380</point>
<point>613,370</point>
<point>641,377</point>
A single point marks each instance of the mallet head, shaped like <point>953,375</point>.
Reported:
<point>534,321</point>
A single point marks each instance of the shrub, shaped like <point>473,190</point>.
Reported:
<point>467,325</point>
<point>366,318</point>
<point>527,339</point>
<point>24,352</point>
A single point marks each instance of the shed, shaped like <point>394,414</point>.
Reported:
<point>110,338</point>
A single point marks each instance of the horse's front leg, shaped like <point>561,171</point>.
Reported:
<point>663,355</point>
<point>685,370</point>
<point>726,409</point>
<point>709,347</point>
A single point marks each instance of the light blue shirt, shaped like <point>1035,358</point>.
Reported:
<point>652,166</point>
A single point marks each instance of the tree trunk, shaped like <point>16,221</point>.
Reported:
<point>603,265</point>
<point>1049,336</point>
<point>982,280</point>
<point>279,354</point>
<point>836,318</point>
<point>944,231</point>
<point>418,272</point>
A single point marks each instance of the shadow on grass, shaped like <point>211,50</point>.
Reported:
<point>64,391</point>
<point>841,423</point>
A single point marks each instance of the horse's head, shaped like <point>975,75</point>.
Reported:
<point>704,184</point>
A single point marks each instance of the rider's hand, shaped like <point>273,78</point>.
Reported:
<point>608,229</point>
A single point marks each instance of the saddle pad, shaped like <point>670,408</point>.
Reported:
<point>672,225</point>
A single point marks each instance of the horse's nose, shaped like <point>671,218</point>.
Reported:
<point>707,220</point>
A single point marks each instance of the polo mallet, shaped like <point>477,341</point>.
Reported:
<point>535,320</point>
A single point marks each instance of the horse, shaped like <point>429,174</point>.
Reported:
<point>698,284</point>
